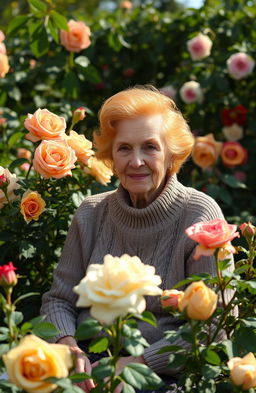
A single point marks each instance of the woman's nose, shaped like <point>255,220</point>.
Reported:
<point>136,160</point>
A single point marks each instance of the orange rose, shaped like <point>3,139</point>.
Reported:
<point>31,205</point>
<point>198,301</point>
<point>233,154</point>
<point>77,36</point>
<point>54,159</point>
<point>206,151</point>
<point>4,65</point>
<point>170,298</point>
<point>44,124</point>
<point>99,170</point>
<point>81,145</point>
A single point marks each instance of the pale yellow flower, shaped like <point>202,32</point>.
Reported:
<point>81,145</point>
<point>243,371</point>
<point>99,170</point>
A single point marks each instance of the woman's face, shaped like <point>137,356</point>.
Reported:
<point>141,158</point>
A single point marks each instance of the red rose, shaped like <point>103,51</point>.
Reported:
<point>236,115</point>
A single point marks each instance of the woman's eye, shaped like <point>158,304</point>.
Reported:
<point>151,147</point>
<point>123,148</point>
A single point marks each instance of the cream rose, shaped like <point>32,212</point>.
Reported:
<point>206,151</point>
<point>34,360</point>
<point>10,179</point>
<point>81,145</point>
<point>117,287</point>
<point>198,301</point>
<point>191,92</point>
<point>54,159</point>
<point>233,133</point>
<point>32,205</point>
<point>44,124</point>
<point>4,65</point>
<point>77,36</point>
<point>99,170</point>
<point>240,65</point>
<point>243,371</point>
<point>199,47</point>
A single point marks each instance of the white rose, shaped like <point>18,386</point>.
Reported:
<point>199,47</point>
<point>240,65</point>
<point>233,133</point>
<point>117,287</point>
<point>191,92</point>
<point>11,179</point>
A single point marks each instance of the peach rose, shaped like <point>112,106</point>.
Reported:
<point>233,133</point>
<point>8,181</point>
<point>24,153</point>
<point>54,159</point>
<point>198,301</point>
<point>117,287</point>
<point>243,371</point>
<point>33,361</point>
<point>32,205</point>
<point>240,65</point>
<point>81,145</point>
<point>44,124</point>
<point>206,151</point>
<point>168,91</point>
<point>211,235</point>
<point>77,36</point>
<point>170,298</point>
<point>191,92</point>
<point>4,65</point>
<point>99,170</point>
<point>233,154</point>
<point>199,47</point>
<point>126,5</point>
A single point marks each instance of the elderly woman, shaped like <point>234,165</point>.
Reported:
<point>145,139</point>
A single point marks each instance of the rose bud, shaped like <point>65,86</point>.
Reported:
<point>170,298</point>
<point>248,230</point>
<point>8,277</point>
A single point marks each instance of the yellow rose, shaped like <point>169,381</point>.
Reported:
<point>34,360</point>
<point>243,371</point>
<point>81,145</point>
<point>206,151</point>
<point>99,170</point>
<point>117,287</point>
<point>31,205</point>
<point>199,301</point>
<point>10,179</point>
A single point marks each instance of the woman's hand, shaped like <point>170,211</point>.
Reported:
<point>82,362</point>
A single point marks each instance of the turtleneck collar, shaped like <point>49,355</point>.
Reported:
<point>162,212</point>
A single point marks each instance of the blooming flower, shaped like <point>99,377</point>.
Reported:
<point>243,371</point>
<point>32,205</point>
<point>240,65</point>
<point>54,159</point>
<point>170,298</point>
<point>199,47</point>
<point>211,235</point>
<point>2,48</point>
<point>117,287</point>
<point>77,36</point>
<point>126,5</point>
<point>7,275</point>
<point>9,181</point>
<point>236,115</point>
<point>4,65</point>
<point>198,301</point>
<point>168,91</point>
<point>206,151</point>
<point>44,124</point>
<point>233,154</point>
<point>99,170</point>
<point>33,361</point>
<point>81,146</point>
<point>233,133</point>
<point>191,92</point>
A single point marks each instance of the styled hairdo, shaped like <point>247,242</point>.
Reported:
<point>142,101</point>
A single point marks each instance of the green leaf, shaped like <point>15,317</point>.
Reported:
<point>45,330</point>
<point>39,44</point>
<point>211,356</point>
<point>14,138</point>
<point>25,296</point>
<point>148,317</point>
<point>127,388</point>
<point>141,377</point>
<point>37,5</point>
<point>53,30</point>
<point>71,84</point>
<point>104,369</point>
<point>177,360</point>
<point>3,301</point>
<point>4,333</point>
<point>15,93</point>
<point>232,181</point>
<point>98,345</point>
<point>16,318</point>
<point>209,371</point>
<point>77,198</point>
<point>6,386</point>
<point>133,346</point>
<point>59,20</point>
<point>82,61</point>
<point>4,348</point>
<point>169,348</point>
<point>123,42</point>
<point>87,329</point>
<point>91,74</point>
<point>17,163</point>
<point>76,378</point>
<point>16,23</point>
<point>27,250</point>
<point>249,322</point>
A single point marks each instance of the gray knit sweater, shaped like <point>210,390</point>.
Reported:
<point>107,224</point>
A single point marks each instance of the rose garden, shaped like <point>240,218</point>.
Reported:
<point>55,72</point>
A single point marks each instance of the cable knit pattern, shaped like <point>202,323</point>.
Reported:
<point>108,224</point>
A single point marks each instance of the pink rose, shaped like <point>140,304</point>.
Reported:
<point>77,36</point>
<point>170,298</point>
<point>2,36</point>
<point>7,275</point>
<point>4,65</point>
<point>240,65</point>
<point>168,91</point>
<point>211,235</point>
<point>2,48</point>
<point>233,154</point>
<point>54,159</point>
<point>191,92</point>
<point>199,47</point>
<point>44,124</point>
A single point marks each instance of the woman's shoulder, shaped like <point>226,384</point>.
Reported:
<point>92,202</point>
